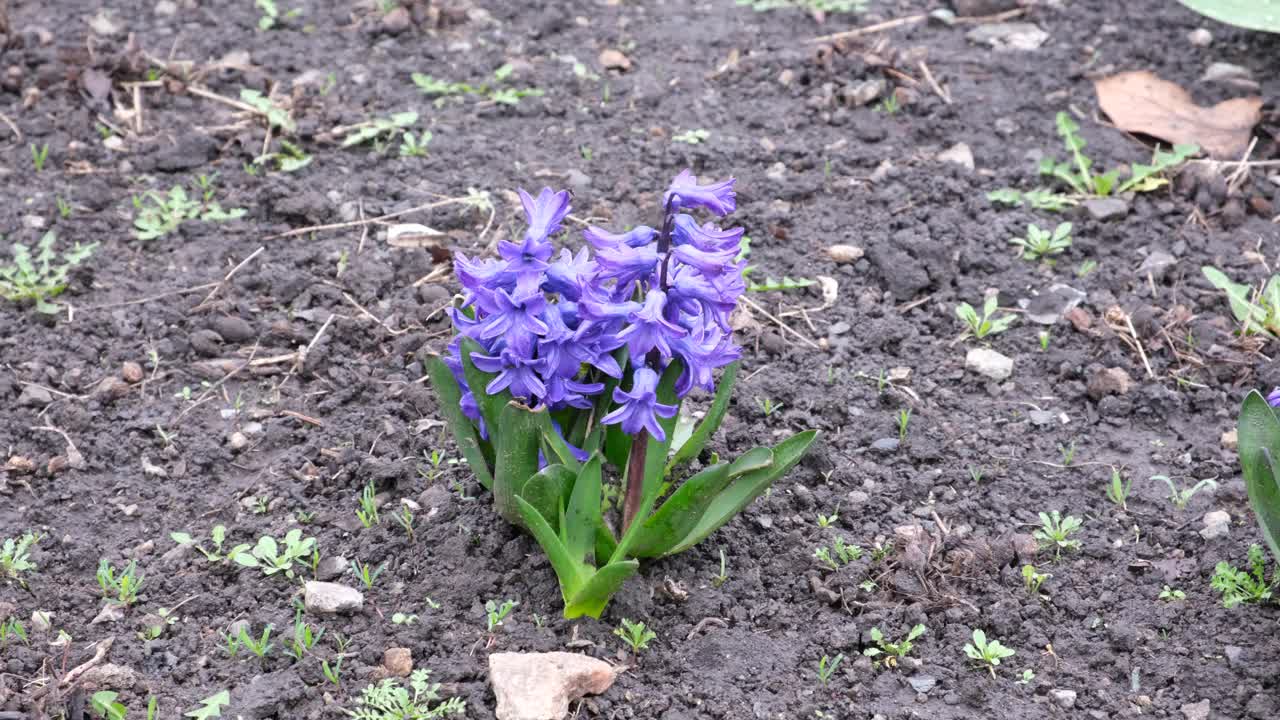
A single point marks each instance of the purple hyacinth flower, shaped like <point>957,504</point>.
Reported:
<point>566,275</point>
<point>625,263</point>
<point>686,231</point>
<point>650,329</point>
<point>702,352</point>
<point>544,213</point>
<point>638,236</point>
<point>685,192</point>
<point>639,408</point>
<point>514,314</point>
<point>694,294</point>
<point>517,372</point>
<point>1273,398</point>
<point>527,259</point>
<point>710,263</point>
<point>478,273</point>
<point>562,391</point>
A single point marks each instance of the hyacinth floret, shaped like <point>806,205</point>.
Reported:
<point>553,327</point>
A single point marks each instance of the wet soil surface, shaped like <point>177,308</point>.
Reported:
<point>164,399</point>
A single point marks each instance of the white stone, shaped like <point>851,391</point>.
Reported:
<point>540,686</point>
<point>1200,37</point>
<point>1216,524</point>
<point>989,363</point>
<point>1065,699</point>
<point>958,154</point>
<point>331,598</point>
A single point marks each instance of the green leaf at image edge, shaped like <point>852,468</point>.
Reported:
<point>1252,14</point>
<point>594,595</point>
<point>1259,446</point>
<point>464,432</point>
<point>515,456</point>
<point>546,489</point>
<point>710,423</point>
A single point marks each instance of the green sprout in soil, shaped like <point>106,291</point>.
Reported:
<point>890,105</point>
<point>1043,336</point>
<point>333,673</point>
<point>692,137</point>
<point>39,155</point>
<point>1040,244</point>
<point>12,627</point>
<point>1180,497</point>
<point>1240,586</point>
<point>210,707</point>
<point>770,283</point>
<point>826,521</point>
<point>277,116</point>
<point>154,625</point>
<point>495,613</point>
<point>636,635</point>
<point>1086,267</point>
<point>414,145</point>
<point>271,14</point>
<point>1055,532</point>
<point>723,577</point>
<point>1077,174</point>
<point>1257,309</point>
<point>120,587</point>
<point>838,555</point>
<point>988,323</point>
<point>379,132</point>
<point>104,705</point>
<point>1118,490</point>
<point>216,537</point>
<point>987,653</point>
<point>1025,679</point>
<point>1032,580</point>
<point>157,215</point>
<point>304,638</point>
<point>893,652</point>
<point>1169,594</point>
<point>405,519</point>
<point>404,619</point>
<point>271,558</point>
<point>243,639</point>
<point>365,574</point>
<point>367,513</point>
<point>290,158</point>
<point>1067,453</point>
<point>389,700</point>
<point>442,90</point>
<point>827,667</point>
<point>40,278</point>
<point>904,421</point>
<point>15,557</point>
<point>64,208</point>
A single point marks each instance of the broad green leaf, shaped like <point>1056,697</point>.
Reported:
<point>679,514</point>
<point>1261,15</point>
<point>181,538</point>
<point>606,543</point>
<point>570,572</point>
<point>1238,295</point>
<point>582,516</point>
<point>516,456</point>
<point>747,488</point>
<point>490,405</point>
<point>655,457</point>
<point>464,432</point>
<point>617,444</point>
<point>1259,442</point>
<point>545,491</point>
<point>757,458</point>
<point>710,423</point>
<point>595,593</point>
<point>557,444</point>
<point>210,707</point>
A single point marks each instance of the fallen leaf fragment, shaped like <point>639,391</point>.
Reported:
<point>611,59</point>
<point>1143,103</point>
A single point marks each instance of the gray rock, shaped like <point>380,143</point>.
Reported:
<point>268,695</point>
<point>165,8</point>
<point>1235,654</point>
<point>958,154</point>
<point>232,328</point>
<point>1048,307</point>
<point>578,180</point>
<point>857,497</point>
<point>1156,264</point>
<point>1107,208</point>
<point>34,396</point>
<point>330,567</point>
<point>325,598</point>
<point>989,363</point>
<point>1222,72</point>
<point>1196,711</point>
<point>885,446</point>
<point>540,686</point>
<point>922,683</point>
<point>839,327</point>
<point>1008,36</point>
<point>1041,418</point>
<point>206,342</point>
<point>1216,524</point>
<point>1065,699</point>
<point>1110,381</point>
<point>866,91</point>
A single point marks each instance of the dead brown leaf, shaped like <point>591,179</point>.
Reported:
<point>1143,103</point>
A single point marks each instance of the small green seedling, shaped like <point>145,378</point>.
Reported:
<point>1068,453</point>
<point>904,420</point>
<point>157,215</point>
<point>988,324</point>
<point>403,619</point>
<point>379,132</point>
<point>210,707</point>
<point>827,667</point>
<point>277,116</point>
<point>838,555</point>
<point>15,557</point>
<point>405,518</point>
<point>772,284</point>
<point>304,638</point>
<point>414,145</point>
<point>1171,595</point>
<point>271,558</point>
<point>1180,497</point>
<point>64,208</point>
<point>164,617</point>
<point>1240,586</point>
<point>1257,309</point>
<point>367,576</point>
<point>1041,244</point>
<point>39,155</point>
<point>1055,532</point>
<point>1043,337</point>
<point>12,627</point>
<point>826,521</point>
<point>692,137</point>
<point>890,105</point>
<point>1118,490</point>
<point>1032,580</point>
<point>216,536</point>
<point>290,158</point>
<point>271,14</point>
<point>635,635</point>
<point>893,652</point>
<point>442,89</point>
<point>985,652</point>
<point>1086,267</point>
<point>259,646</point>
<point>1025,679</point>
<point>120,587</point>
<point>104,705</point>
<point>368,510</point>
<point>389,700</point>
<point>1077,173</point>
<point>495,613</point>
<point>1037,199</point>
<point>719,580</point>
<point>768,406</point>
<point>40,278</point>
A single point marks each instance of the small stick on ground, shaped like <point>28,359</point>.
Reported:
<point>16,132</point>
<point>705,623</point>
<point>214,387</point>
<point>74,674</point>
<point>933,83</point>
<point>752,304</point>
<point>373,317</point>
<point>225,279</point>
<point>380,218</point>
<point>151,298</point>
<point>211,95</point>
<point>137,110</point>
<point>74,458</point>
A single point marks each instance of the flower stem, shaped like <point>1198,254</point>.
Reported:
<point>635,479</point>
<point>664,243</point>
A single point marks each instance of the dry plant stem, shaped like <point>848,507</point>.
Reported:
<point>204,303</point>
<point>912,20</point>
<point>779,323</point>
<point>74,674</point>
<point>635,479</point>
<point>358,223</point>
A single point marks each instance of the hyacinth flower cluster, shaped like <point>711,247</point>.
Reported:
<point>566,363</point>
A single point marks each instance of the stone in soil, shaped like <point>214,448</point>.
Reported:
<point>989,363</point>
<point>1103,209</point>
<point>398,662</point>
<point>1051,305</point>
<point>1111,381</point>
<point>327,598</point>
<point>1008,36</point>
<point>845,254</point>
<point>540,686</point>
<point>958,154</point>
<point>1196,710</point>
<point>1216,524</point>
<point>1065,699</point>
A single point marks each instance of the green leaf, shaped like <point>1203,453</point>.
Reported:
<point>582,516</point>
<point>757,458</point>
<point>655,457</point>
<point>747,488</point>
<point>1005,196</point>
<point>1252,14</point>
<point>557,444</point>
<point>591,599</point>
<point>570,572</point>
<point>545,491</point>
<point>210,707</point>
<point>1259,448</point>
<point>464,432</point>
<point>679,514</point>
<point>1238,295</point>
<point>710,423</point>
<point>490,404</point>
<point>515,456</point>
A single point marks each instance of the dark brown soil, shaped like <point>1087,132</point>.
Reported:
<point>358,410</point>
